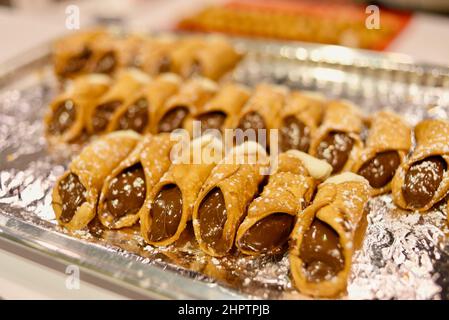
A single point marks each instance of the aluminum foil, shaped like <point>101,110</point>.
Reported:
<point>405,255</point>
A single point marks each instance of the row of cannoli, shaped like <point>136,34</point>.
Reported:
<point>229,197</point>
<point>103,51</point>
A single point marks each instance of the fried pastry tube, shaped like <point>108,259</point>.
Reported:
<point>262,111</point>
<point>222,202</point>
<point>272,215</point>
<point>422,180</point>
<point>338,139</point>
<point>128,83</point>
<point>75,194</point>
<point>326,235</point>
<point>215,59</point>
<point>127,188</point>
<point>112,52</point>
<point>65,120</point>
<point>171,200</point>
<point>71,54</point>
<point>154,56</point>
<point>182,57</point>
<point>178,110</point>
<point>387,145</point>
<point>220,112</point>
<point>138,112</point>
<point>299,120</point>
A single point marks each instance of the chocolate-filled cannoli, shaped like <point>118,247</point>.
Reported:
<point>154,56</point>
<point>138,112</point>
<point>220,112</point>
<point>71,54</point>
<point>222,203</point>
<point>272,215</point>
<point>338,138</point>
<point>127,84</point>
<point>112,52</point>
<point>326,235</point>
<point>127,188</point>
<point>388,142</point>
<point>171,200</point>
<point>75,194</point>
<point>262,111</point>
<point>216,58</point>
<point>422,180</point>
<point>182,57</point>
<point>300,119</point>
<point>178,110</point>
<point>65,119</point>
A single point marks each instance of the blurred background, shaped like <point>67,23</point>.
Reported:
<point>418,28</point>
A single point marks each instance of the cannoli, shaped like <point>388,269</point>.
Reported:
<point>182,57</point>
<point>220,112</point>
<point>178,110</point>
<point>422,180</point>
<point>300,119</point>
<point>326,235</point>
<point>222,202</point>
<point>338,139</point>
<point>137,113</point>
<point>216,58</point>
<point>127,188</point>
<point>154,56</point>
<point>271,216</point>
<point>127,84</point>
<point>261,112</point>
<point>388,142</point>
<point>75,194</point>
<point>171,200</point>
<point>65,119</point>
<point>71,54</point>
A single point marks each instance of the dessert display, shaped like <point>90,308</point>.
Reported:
<point>224,178</point>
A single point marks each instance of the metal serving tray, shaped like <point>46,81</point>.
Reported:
<point>405,255</point>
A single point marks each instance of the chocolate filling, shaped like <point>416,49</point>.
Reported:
<point>268,234</point>
<point>422,181</point>
<point>381,168</point>
<point>63,118</point>
<point>173,119</point>
<point>107,63</point>
<point>211,120</point>
<point>294,135</point>
<point>251,120</point>
<point>166,212</point>
<point>164,64</point>
<point>126,193</point>
<point>73,194</point>
<point>321,252</point>
<point>135,117</point>
<point>103,115</point>
<point>335,149</point>
<point>212,217</point>
<point>77,62</point>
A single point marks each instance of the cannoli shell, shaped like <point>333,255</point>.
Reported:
<point>128,83</point>
<point>182,57</point>
<point>92,166</point>
<point>154,57</point>
<point>432,139</point>
<point>388,131</point>
<point>157,92</point>
<point>341,116</point>
<point>188,176</point>
<point>339,202</point>
<point>238,181</point>
<point>289,190</point>
<point>153,153</point>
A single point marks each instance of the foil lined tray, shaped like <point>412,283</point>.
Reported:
<point>405,255</point>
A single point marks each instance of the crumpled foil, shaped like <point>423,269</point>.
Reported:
<point>405,255</point>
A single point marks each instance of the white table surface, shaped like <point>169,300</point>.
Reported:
<point>425,39</point>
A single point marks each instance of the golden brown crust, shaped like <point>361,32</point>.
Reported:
<point>92,166</point>
<point>182,57</point>
<point>432,139</point>
<point>340,204</point>
<point>388,132</point>
<point>154,56</point>
<point>153,153</point>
